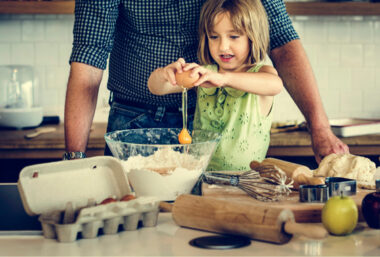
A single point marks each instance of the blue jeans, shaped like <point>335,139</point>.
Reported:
<point>128,117</point>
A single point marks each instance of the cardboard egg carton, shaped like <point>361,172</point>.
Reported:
<point>67,196</point>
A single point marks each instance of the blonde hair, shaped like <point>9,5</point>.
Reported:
<point>246,16</point>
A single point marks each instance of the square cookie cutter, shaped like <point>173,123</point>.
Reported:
<point>341,186</point>
<point>313,193</point>
<point>333,186</point>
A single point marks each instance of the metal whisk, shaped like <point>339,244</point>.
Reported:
<point>261,188</point>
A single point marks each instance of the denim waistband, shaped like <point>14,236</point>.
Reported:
<point>151,107</point>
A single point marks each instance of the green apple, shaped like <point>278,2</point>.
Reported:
<point>340,215</point>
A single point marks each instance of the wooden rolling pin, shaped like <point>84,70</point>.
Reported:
<point>300,174</point>
<point>263,223</point>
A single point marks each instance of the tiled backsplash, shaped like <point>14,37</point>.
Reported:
<point>344,53</point>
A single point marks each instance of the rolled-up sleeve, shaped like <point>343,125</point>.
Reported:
<point>281,28</point>
<point>93,31</point>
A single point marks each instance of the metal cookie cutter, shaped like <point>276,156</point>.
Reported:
<point>338,186</point>
<point>313,193</point>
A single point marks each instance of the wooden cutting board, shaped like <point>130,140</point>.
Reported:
<point>303,212</point>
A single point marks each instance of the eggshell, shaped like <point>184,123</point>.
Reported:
<point>183,79</point>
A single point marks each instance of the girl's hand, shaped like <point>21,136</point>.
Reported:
<point>170,70</point>
<point>207,78</point>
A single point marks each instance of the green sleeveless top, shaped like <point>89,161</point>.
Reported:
<point>236,115</point>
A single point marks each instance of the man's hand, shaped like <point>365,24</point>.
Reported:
<point>295,70</point>
<point>324,142</point>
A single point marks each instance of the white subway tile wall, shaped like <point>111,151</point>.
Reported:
<point>344,52</point>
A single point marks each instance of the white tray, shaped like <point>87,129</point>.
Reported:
<point>58,190</point>
<point>348,127</point>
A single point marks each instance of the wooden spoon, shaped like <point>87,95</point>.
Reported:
<point>39,131</point>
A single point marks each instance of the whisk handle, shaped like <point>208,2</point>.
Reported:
<point>231,181</point>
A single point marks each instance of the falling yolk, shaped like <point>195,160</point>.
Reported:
<point>184,137</point>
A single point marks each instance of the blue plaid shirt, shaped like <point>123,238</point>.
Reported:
<point>143,35</point>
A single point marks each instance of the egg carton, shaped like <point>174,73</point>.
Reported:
<point>110,218</point>
<point>67,196</point>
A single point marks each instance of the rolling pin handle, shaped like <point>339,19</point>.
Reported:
<point>165,207</point>
<point>307,230</point>
<point>304,180</point>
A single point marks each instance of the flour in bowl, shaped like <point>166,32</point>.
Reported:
<point>166,174</point>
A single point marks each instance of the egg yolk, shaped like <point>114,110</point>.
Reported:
<point>184,137</point>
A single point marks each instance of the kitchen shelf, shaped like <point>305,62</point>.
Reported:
<point>333,8</point>
<point>37,7</point>
<point>293,8</point>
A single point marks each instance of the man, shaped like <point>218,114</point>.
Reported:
<point>144,35</point>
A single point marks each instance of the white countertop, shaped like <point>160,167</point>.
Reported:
<point>167,239</point>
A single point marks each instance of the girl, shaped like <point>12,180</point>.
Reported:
<point>235,90</point>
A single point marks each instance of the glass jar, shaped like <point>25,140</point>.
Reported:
<point>19,97</point>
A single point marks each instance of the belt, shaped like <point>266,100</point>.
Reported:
<point>151,107</point>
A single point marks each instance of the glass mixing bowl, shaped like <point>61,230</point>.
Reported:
<point>156,164</point>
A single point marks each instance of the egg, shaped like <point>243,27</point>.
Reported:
<point>127,198</point>
<point>108,200</point>
<point>184,80</point>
